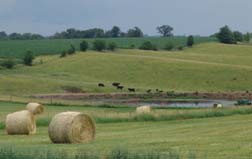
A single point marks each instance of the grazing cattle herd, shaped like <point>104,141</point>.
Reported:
<point>118,86</point>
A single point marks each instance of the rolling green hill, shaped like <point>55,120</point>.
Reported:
<point>17,48</point>
<point>206,67</point>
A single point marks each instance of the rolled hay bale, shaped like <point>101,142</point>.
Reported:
<point>72,127</point>
<point>216,105</point>
<point>143,110</point>
<point>20,123</point>
<point>35,108</point>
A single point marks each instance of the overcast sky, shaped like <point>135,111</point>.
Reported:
<point>198,17</point>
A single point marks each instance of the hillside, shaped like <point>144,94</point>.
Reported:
<point>17,48</point>
<point>206,67</point>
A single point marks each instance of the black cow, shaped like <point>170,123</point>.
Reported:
<point>132,89</point>
<point>116,84</point>
<point>120,87</point>
<point>101,85</point>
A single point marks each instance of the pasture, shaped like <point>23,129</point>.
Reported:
<point>218,67</point>
<point>17,48</point>
<point>216,137</point>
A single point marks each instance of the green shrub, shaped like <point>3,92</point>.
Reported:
<point>112,46</point>
<point>84,45</point>
<point>8,63</point>
<point>132,46</point>
<point>190,41</point>
<point>147,45</point>
<point>169,46</point>
<point>99,45</point>
<point>28,58</point>
<point>72,50</point>
<point>63,53</point>
<point>180,48</point>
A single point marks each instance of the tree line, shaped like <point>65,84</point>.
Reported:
<point>72,33</point>
<point>227,36</point>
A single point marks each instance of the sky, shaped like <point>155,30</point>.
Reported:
<point>196,17</point>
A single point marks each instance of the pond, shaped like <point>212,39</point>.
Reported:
<point>172,103</point>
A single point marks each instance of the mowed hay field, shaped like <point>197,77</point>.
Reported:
<point>217,137</point>
<point>205,67</point>
<point>17,48</point>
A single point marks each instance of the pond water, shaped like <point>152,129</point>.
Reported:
<point>173,103</point>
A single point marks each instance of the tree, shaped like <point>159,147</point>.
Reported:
<point>84,45</point>
<point>112,46</point>
<point>135,32</point>
<point>115,32</point>
<point>238,36</point>
<point>190,41</point>
<point>15,36</point>
<point>3,35</point>
<point>28,58</point>
<point>99,45</point>
<point>226,36</point>
<point>165,30</point>
<point>247,37</point>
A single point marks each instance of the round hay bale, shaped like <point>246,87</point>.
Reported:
<point>143,110</point>
<point>71,127</point>
<point>21,123</point>
<point>217,106</point>
<point>35,108</point>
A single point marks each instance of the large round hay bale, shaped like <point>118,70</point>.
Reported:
<point>21,123</point>
<point>71,127</point>
<point>216,106</point>
<point>35,108</point>
<point>143,110</point>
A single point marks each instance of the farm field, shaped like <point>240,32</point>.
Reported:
<point>17,48</point>
<point>216,137</point>
<point>219,68</point>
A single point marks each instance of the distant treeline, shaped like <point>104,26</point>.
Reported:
<point>18,36</point>
<point>76,34</point>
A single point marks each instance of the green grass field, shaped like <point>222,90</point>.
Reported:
<point>17,48</point>
<point>205,67</point>
<point>205,138</point>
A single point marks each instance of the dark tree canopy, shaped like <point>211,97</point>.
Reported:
<point>165,30</point>
<point>3,35</point>
<point>238,36</point>
<point>226,36</point>
<point>115,32</point>
<point>135,32</point>
<point>247,37</point>
<point>190,41</point>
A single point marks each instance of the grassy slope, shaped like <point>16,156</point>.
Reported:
<point>17,48</point>
<point>206,67</point>
<point>222,138</point>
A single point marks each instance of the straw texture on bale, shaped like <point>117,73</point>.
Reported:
<point>21,123</point>
<point>71,127</point>
<point>217,105</point>
<point>143,109</point>
<point>35,108</point>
